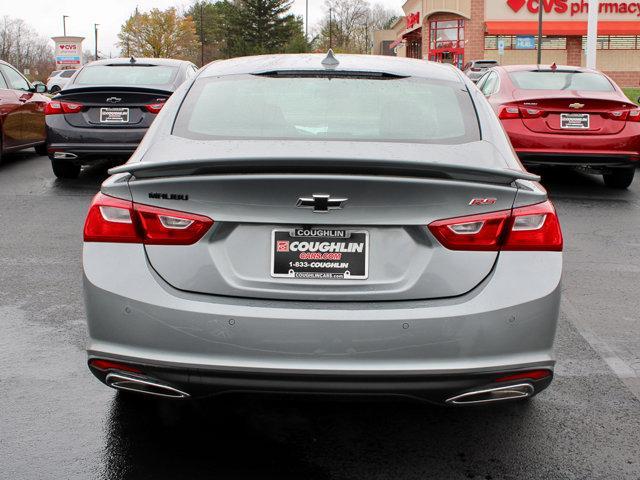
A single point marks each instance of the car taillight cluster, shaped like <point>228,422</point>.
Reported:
<point>625,115</point>
<point>154,107</point>
<point>535,227</point>
<point>56,107</point>
<point>116,220</point>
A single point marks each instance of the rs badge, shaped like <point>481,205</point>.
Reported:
<point>482,201</point>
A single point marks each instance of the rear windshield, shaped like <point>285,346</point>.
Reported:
<point>327,108</point>
<point>126,75</point>
<point>537,80</point>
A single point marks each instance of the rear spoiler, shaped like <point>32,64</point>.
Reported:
<point>356,166</point>
<point>126,88</point>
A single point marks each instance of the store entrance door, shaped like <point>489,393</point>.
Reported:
<point>450,56</point>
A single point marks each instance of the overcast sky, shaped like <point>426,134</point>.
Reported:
<point>46,16</point>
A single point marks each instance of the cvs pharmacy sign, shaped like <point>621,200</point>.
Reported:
<point>574,7</point>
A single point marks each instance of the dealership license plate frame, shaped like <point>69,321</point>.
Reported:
<point>309,273</point>
<point>106,118</point>
<point>584,122</point>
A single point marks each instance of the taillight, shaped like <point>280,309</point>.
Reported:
<point>618,115</point>
<point>115,220</point>
<point>527,112</point>
<point>476,70</point>
<point>634,115</point>
<point>508,111</point>
<point>535,227</point>
<point>56,107</point>
<point>154,107</point>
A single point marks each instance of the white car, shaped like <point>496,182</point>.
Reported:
<point>59,79</point>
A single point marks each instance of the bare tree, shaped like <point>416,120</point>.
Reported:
<point>348,25</point>
<point>24,48</point>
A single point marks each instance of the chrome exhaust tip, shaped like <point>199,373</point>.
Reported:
<point>64,155</point>
<point>491,395</point>
<point>121,381</point>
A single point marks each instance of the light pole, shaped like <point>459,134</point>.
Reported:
<point>330,30</point>
<point>306,20</point>
<point>201,34</point>
<point>592,33</point>
<point>64,24</point>
<point>95,35</point>
<point>540,10</point>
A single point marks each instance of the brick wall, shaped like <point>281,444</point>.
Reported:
<point>474,32</point>
<point>574,51</point>
<point>625,79</point>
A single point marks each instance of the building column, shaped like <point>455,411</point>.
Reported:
<point>574,51</point>
<point>474,32</point>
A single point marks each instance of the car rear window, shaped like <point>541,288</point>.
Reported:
<point>559,80</point>
<point>318,107</point>
<point>126,75</point>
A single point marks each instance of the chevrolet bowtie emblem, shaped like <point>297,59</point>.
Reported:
<point>576,105</point>
<point>321,203</point>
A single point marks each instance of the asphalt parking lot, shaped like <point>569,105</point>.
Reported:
<point>58,422</point>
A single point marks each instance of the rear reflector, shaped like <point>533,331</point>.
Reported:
<point>56,107</point>
<point>115,220</point>
<point>109,365</point>
<point>530,375</point>
<point>535,227</point>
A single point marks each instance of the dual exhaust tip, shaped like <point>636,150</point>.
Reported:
<point>122,381</point>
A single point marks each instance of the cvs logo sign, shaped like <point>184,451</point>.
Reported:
<point>558,6</point>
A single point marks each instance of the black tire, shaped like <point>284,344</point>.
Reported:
<point>64,169</point>
<point>620,178</point>
<point>41,149</point>
<point>54,89</point>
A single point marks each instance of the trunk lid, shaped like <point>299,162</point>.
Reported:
<point>591,114</point>
<point>253,208</point>
<point>112,107</point>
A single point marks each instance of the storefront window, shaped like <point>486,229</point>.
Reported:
<point>548,43</point>
<point>608,42</point>
<point>446,34</point>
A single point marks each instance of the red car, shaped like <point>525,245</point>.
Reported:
<point>21,112</point>
<point>560,115</point>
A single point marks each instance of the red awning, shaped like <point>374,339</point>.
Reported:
<point>396,43</point>
<point>562,28</point>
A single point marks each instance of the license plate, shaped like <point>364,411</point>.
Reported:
<point>320,253</point>
<point>114,115</point>
<point>579,121</point>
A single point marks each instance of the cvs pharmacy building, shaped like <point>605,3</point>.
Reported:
<point>458,31</point>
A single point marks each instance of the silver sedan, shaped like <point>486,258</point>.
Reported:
<point>335,224</point>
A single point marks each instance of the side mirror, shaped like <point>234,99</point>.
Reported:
<point>638,100</point>
<point>39,87</point>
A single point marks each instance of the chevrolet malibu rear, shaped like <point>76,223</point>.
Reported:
<point>312,224</point>
<point>567,116</point>
<point>106,108</point>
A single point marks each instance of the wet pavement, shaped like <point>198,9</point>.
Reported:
<point>58,422</point>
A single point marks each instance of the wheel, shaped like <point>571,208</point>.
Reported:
<point>54,89</point>
<point>64,169</point>
<point>41,149</point>
<point>620,178</point>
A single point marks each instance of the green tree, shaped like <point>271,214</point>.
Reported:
<point>247,27</point>
<point>159,33</point>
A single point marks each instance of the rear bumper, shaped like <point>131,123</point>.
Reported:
<point>209,344</point>
<point>90,143</point>
<point>619,150</point>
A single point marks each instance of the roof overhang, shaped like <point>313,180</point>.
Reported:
<point>561,28</point>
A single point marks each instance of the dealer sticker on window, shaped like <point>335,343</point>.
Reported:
<point>320,253</point>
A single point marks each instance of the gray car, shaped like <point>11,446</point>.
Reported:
<point>302,223</point>
<point>475,69</point>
